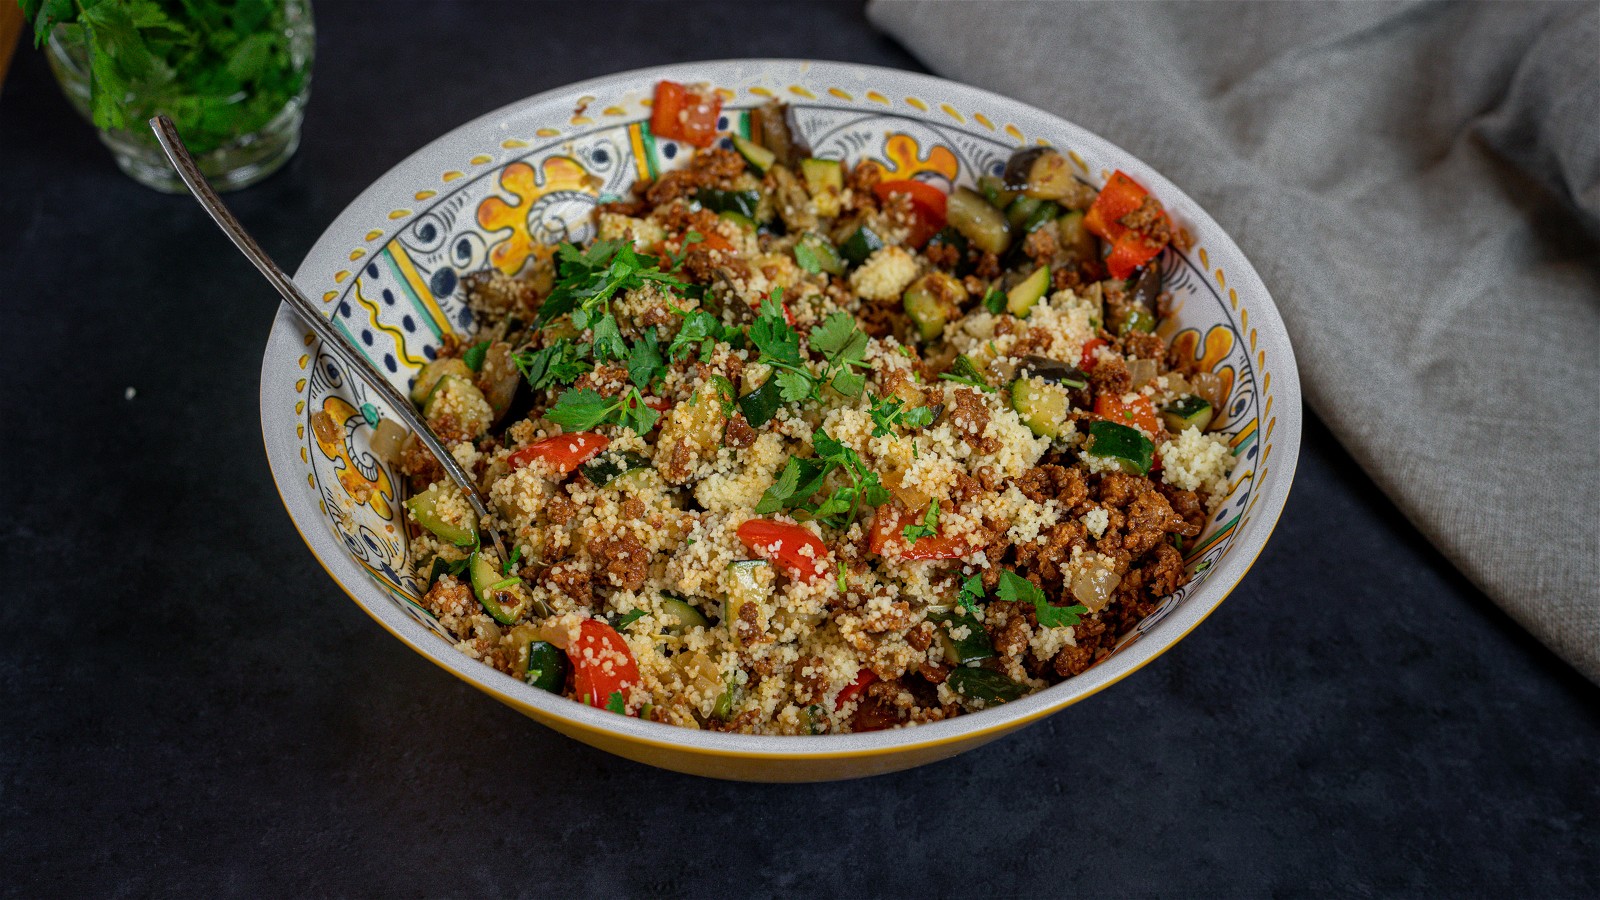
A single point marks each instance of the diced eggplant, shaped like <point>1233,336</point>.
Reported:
<point>1188,411</point>
<point>1042,407</point>
<point>499,378</point>
<point>1076,240</point>
<point>1053,371</point>
<point>774,127</point>
<point>605,469</point>
<point>982,224</point>
<point>1146,289</point>
<point>931,301</point>
<point>1021,298</point>
<point>1040,172</point>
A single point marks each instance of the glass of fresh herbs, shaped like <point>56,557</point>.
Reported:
<point>233,75</point>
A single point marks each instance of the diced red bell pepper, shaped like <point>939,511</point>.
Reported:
<point>562,452</point>
<point>602,664</point>
<point>1090,353</point>
<point>928,205</point>
<point>888,528</point>
<point>1139,413</point>
<point>683,114</point>
<point>853,689</point>
<point>783,543</point>
<point>1129,249</point>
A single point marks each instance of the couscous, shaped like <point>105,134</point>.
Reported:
<point>789,448</point>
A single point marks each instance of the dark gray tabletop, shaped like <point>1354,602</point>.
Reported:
<point>189,705</point>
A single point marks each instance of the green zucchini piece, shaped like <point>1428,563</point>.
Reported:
<point>1027,292</point>
<point>993,188</point>
<point>425,508</point>
<point>860,245</point>
<point>730,698</point>
<point>428,378</point>
<point>977,220</point>
<point>823,251</point>
<point>752,581</point>
<point>739,219</point>
<point>964,367</point>
<point>547,667</point>
<point>930,301</point>
<point>761,404</point>
<point>688,617</point>
<point>1188,412</point>
<point>822,175</point>
<point>503,597</point>
<point>1046,211</point>
<point>1128,447</point>
<point>1021,209</point>
<point>744,203</point>
<point>462,399</point>
<point>972,647</point>
<point>756,155</point>
<point>985,686</point>
<point>605,469</point>
<point>1137,319</point>
<point>1043,407</point>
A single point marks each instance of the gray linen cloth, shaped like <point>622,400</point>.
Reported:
<point>1419,187</point>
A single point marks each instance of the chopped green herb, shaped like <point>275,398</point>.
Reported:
<point>806,258</point>
<point>501,585</point>
<point>645,364</point>
<point>971,593</point>
<point>616,704</point>
<point>508,565</point>
<point>888,413</point>
<point>699,332</point>
<point>475,354</point>
<point>628,619</point>
<point>584,409</point>
<point>995,301</point>
<point>928,527</point>
<point>559,363</point>
<point>1017,589</point>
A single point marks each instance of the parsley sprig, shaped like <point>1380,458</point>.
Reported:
<point>928,527</point>
<point>890,413</point>
<point>971,593</point>
<point>588,279</point>
<point>801,480</point>
<point>1017,589</point>
<point>583,409</point>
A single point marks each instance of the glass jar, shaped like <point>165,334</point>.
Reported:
<point>238,138</point>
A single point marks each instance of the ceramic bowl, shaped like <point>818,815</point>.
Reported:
<point>500,190</point>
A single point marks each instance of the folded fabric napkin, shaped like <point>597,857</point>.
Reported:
<point>1419,187</point>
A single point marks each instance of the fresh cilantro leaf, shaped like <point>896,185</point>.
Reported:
<point>616,704</point>
<point>873,493</point>
<point>475,354</point>
<point>775,338</point>
<point>608,342</point>
<point>628,619</point>
<point>559,363</point>
<point>516,554</point>
<point>888,413</point>
<point>699,330</point>
<point>634,413</point>
<point>781,490</point>
<point>443,566</point>
<point>995,301</point>
<point>928,527</point>
<point>690,238</point>
<point>845,346</point>
<point>580,410</point>
<point>971,593</point>
<point>850,384</point>
<point>587,279</point>
<point>1017,589</point>
<point>761,404</point>
<point>644,360</point>
<point>794,386</point>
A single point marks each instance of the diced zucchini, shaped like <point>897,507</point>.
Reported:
<point>823,251</point>
<point>1136,318</point>
<point>425,508</point>
<point>974,644</point>
<point>504,598</point>
<point>687,616</point>
<point>1187,412</point>
<point>751,583</point>
<point>605,469</point>
<point>1076,240</point>
<point>1046,211</point>
<point>546,667</point>
<point>429,377</point>
<point>1042,407</point>
<point>993,189</point>
<point>1053,371</point>
<point>860,245</point>
<point>739,219</point>
<point>978,220</point>
<point>1040,172</point>
<point>754,154</point>
<point>822,175</point>
<point>1127,447</point>
<point>984,686</point>
<point>1027,292</point>
<point>730,698</point>
<point>930,301</point>
<point>1021,209</point>
<point>462,400</point>
<point>746,203</point>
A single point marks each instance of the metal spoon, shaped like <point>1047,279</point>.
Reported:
<point>399,404</point>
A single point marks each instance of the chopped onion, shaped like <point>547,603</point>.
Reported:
<point>1093,586</point>
<point>326,429</point>
<point>1142,370</point>
<point>388,439</point>
<point>1208,387</point>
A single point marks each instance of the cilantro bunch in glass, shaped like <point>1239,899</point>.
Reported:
<point>232,74</point>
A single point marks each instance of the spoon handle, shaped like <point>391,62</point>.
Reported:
<point>399,404</point>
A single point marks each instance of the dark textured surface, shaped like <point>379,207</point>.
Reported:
<point>188,705</point>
